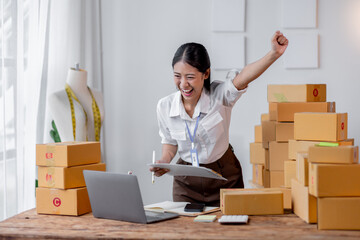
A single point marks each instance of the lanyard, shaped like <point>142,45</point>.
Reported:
<point>95,108</point>
<point>192,138</point>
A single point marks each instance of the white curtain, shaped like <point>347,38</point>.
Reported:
<point>39,41</point>
<point>74,37</point>
<point>22,36</point>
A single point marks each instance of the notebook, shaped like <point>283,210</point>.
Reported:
<point>117,196</point>
<point>178,207</point>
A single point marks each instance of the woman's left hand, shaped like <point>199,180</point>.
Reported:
<point>279,43</point>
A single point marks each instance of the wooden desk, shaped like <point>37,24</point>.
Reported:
<point>288,226</point>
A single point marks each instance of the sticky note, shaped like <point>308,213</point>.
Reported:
<point>205,218</point>
<point>327,144</point>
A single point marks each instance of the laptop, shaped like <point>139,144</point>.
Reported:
<point>117,196</point>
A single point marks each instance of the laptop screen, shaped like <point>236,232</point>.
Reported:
<point>115,196</point>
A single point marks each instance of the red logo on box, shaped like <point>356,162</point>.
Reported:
<point>57,202</point>
<point>342,125</point>
<point>48,155</point>
<point>355,154</point>
<point>315,92</point>
<point>48,177</point>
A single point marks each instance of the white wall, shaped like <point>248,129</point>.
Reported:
<point>140,38</point>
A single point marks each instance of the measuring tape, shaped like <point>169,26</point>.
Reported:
<point>95,110</point>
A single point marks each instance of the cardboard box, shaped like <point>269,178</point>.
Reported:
<point>67,154</point>
<point>265,117</point>
<point>258,134</point>
<point>252,203</point>
<point>302,168</point>
<point>273,179</point>
<point>297,93</point>
<point>304,205</point>
<point>276,179</point>
<point>284,111</point>
<point>299,146</point>
<point>278,153</point>
<point>268,132</point>
<point>64,178</point>
<point>255,185</point>
<point>334,180</point>
<point>62,202</point>
<point>296,146</point>
<point>258,154</point>
<point>287,197</point>
<point>254,172</point>
<point>346,142</point>
<point>320,126</point>
<point>286,194</point>
<point>258,174</point>
<point>284,132</point>
<point>340,213</point>
<point>266,178</point>
<point>289,172</point>
<point>341,154</point>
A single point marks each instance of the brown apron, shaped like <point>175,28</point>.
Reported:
<point>207,190</point>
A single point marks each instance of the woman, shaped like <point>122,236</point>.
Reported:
<point>195,120</point>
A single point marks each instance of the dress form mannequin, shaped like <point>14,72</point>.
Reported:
<point>60,108</point>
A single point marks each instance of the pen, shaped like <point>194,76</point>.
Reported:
<point>153,161</point>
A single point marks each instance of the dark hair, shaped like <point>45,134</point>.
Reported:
<point>195,55</point>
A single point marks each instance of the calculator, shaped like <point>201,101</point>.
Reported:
<point>234,219</point>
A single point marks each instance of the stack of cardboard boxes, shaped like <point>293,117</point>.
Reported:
<point>272,138</point>
<point>62,189</point>
<point>259,155</point>
<point>303,141</point>
<point>304,204</point>
<point>327,187</point>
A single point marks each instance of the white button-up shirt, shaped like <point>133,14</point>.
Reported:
<point>212,135</point>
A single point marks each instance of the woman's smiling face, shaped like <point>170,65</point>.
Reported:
<point>189,81</point>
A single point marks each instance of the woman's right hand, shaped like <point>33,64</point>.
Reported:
<point>159,171</point>
<point>279,43</point>
<point>168,153</point>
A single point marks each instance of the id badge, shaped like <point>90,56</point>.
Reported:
<point>194,157</point>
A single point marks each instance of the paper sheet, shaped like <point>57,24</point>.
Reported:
<point>188,170</point>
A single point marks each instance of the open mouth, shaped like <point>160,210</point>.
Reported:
<point>187,92</point>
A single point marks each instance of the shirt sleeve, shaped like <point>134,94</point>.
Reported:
<point>228,93</point>
<point>163,128</point>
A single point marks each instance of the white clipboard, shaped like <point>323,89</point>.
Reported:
<point>188,170</point>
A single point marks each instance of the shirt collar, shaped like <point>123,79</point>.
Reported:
<point>177,106</point>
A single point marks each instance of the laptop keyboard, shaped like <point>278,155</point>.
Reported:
<point>153,215</point>
<point>159,216</point>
